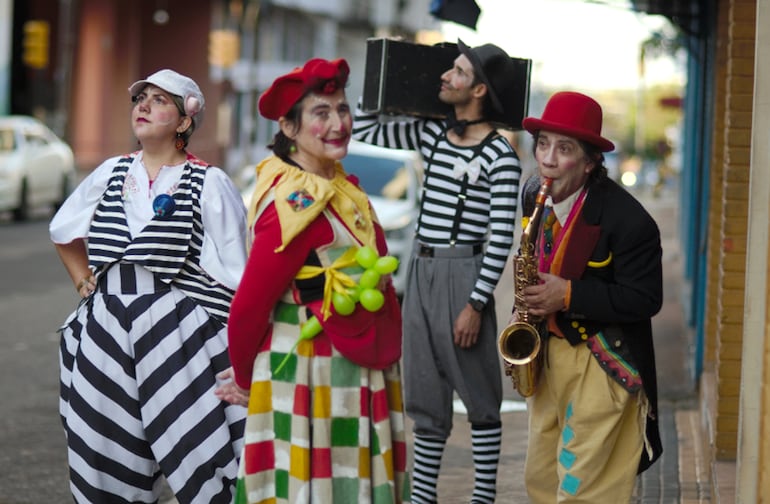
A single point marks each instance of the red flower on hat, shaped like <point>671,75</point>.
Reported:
<point>329,87</point>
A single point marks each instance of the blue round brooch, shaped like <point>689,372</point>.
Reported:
<point>163,205</point>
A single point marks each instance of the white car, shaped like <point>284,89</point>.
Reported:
<point>37,168</point>
<point>393,180</point>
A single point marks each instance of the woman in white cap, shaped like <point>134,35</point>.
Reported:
<point>154,242</point>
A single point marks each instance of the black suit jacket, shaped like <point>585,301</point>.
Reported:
<point>613,259</point>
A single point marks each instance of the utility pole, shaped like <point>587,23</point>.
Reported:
<point>63,71</point>
<point>6,31</point>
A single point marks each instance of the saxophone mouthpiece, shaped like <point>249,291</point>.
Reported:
<point>545,190</point>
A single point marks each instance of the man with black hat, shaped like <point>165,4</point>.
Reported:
<point>593,417</point>
<point>463,240</point>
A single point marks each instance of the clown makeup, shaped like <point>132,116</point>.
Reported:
<point>562,158</point>
<point>323,108</point>
<point>155,106</point>
<point>457,82</point>
<point>323,132</point>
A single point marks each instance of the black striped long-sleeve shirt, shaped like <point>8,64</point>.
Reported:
<point>489,213</point>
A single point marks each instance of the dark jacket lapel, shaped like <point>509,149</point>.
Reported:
<point>583,238</point>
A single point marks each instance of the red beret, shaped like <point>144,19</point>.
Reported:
<point>319,75</point>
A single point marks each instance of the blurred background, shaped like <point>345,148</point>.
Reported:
<point>69,62</point>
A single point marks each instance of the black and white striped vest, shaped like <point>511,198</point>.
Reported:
<point>169,246</point>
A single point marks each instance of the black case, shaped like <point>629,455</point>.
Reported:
<point>404,78</point>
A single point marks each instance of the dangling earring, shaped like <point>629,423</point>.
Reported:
<point>293,148</point>
<point>179,142</point>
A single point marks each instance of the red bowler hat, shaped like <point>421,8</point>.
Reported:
<point>320,75</point>
<point>572,114</point>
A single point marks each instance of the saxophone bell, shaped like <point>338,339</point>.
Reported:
<point>519,343</point>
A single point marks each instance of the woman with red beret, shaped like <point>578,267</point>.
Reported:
<point>325,416</point>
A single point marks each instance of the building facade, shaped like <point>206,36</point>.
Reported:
<point>232,48</point>
<point>725,194</point>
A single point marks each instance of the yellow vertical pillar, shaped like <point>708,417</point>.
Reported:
<point>734,223</point>
<point>753,457</point>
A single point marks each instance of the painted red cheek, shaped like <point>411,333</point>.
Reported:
<point>165,117</point>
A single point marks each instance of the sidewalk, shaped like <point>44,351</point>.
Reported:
<point>681,475</point>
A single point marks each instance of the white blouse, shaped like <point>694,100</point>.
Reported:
<point>224,216</point>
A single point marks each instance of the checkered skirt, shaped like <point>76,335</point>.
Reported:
<point>324,429</point>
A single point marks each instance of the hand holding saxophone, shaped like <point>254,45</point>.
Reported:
<point>546,297</point>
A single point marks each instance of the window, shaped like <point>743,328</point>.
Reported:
<point>7,140</point>
<point>386,178</point>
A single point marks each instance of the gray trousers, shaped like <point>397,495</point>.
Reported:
<point>437,290</point>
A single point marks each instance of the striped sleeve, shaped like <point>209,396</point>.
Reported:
<point>504,179</point>
<point>489,209</point>
<point>393,134</point>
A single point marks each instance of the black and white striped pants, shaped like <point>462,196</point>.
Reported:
<point>138,371</point>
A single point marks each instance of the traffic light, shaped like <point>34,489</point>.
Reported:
<point>224,48</point>
<point>35,44</point>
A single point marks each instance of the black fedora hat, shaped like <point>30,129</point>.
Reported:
<point>497,70</point>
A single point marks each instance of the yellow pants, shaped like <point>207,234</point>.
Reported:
<point>585,432</point>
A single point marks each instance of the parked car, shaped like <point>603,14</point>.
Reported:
<point>393,180</point>
<point>37,168</point>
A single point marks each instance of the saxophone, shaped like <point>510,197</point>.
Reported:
<point>519,343</point>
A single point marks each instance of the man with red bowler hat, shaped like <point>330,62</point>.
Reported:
<point>593,417</point>
<point>463,239</point>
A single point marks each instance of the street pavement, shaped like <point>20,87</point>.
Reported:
<point>36,295</point>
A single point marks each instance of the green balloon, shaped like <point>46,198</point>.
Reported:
<point>343,304</point>
<point>366,256</point>
<point>385,265</point>
<point>310,329</point>
<point>354,293</point>
<point>372,299</point>
<point>369,279</point>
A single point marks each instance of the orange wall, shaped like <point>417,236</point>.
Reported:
<point>118,43</point>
